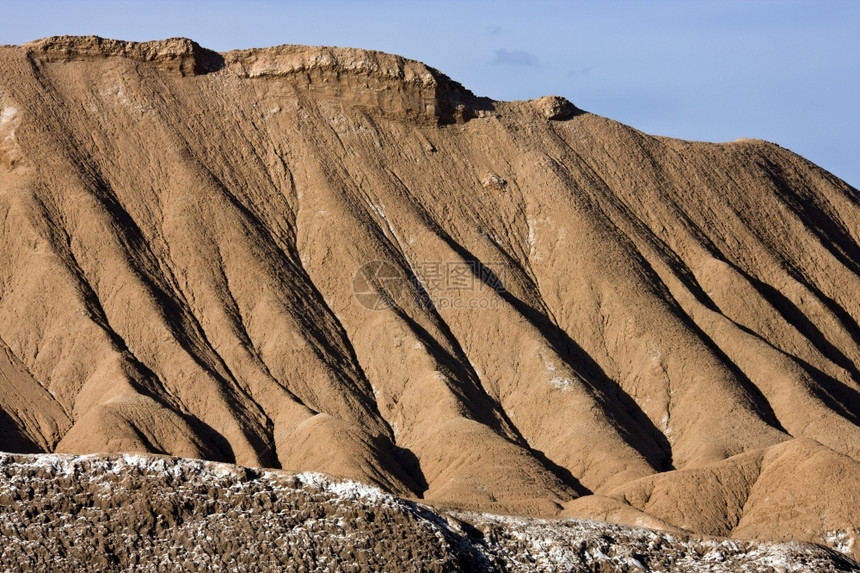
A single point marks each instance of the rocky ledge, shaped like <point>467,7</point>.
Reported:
<point>174,54</point>
<point>395,85</point>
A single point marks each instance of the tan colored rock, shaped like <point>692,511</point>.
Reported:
<point>175,54</point>
<point>493,181</point>
<point>555,107</point>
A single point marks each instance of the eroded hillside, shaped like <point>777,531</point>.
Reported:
<point>343,261</point>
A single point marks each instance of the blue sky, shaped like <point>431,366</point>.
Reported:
<point>783,70</point>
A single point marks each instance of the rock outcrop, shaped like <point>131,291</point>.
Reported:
<point>147,513</point>
<point>180,55</point>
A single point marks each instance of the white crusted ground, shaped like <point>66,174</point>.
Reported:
<point>147,513</point>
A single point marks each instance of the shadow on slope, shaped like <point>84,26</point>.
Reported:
<point>13,439</point>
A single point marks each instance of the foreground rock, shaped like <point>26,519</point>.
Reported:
<point>150,513</point>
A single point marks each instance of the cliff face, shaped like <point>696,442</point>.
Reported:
<point>398,87</point>
<point>342,261</point>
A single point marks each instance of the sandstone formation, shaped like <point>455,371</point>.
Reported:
<point>577,319</point>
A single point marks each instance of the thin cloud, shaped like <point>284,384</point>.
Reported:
<point>515,58</point>
<point>579,72</point>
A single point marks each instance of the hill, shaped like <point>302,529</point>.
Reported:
<point>342,261</point>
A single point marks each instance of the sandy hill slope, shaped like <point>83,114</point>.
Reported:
<point>343,261</point>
